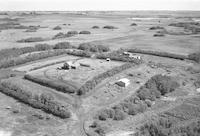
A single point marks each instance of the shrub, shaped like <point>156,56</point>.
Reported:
<point>37,97</point>
<point>107,113</point>
<point>158,35</point>
<point>119,115</point>
<point>84,32</point>
<point>156,28</point>
<point>59,35</point>
<point>63,45</point>
<point>57,28</point>
<point>133,24</point>
<point>31,39</point>
<point>95,27</point>
<point>195,57</point>
<point>110,27</point>
<point>42,47</point>
<point>72,32</point>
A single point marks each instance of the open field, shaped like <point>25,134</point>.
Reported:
<point>100,73</point>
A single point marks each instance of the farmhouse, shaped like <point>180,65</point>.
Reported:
<point>124,82</point>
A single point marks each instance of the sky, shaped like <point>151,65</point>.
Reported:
<point>79,5</point>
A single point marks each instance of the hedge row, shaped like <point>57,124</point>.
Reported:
<point>92,83</point>
<point>118,56</point>
<point>37,99</point>
<point>31,39</point>
<point>155,87</point>
<point>158,53</point>
<point>8,62</point>
<point>59,86</point>
<point>93,48</point>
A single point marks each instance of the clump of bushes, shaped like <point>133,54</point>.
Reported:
<point>59,86</point>
<point>166,127</point>
<point>195,57</point>
<point>95,27</point>
<point>59,35</point>
<point>43,47</point>
<point>158,35</point>
<point>41,99</point>
<point>63,35</point>
<point>189,26</point>
<point>63,45</point>
<point>92,83</point>
<point>31,39</point>
<point>156,28</point>
<point>84,32</point>
<point>57,28</point>
<point>110,27</point>
<point>93,48</point>
<point>72,33</point>
<point>133,24</point>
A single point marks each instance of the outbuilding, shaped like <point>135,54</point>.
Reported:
<point>198,90</point>
<point>124,82</point>
<point>107,59</point>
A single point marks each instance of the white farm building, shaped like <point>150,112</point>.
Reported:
<point>124,82</point>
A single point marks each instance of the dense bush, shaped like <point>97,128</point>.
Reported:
<point>38,99</point>
<point>158,53</point>
<point>43,47</point>
<point>72,32</point>
<point>93,48</point>
<point>197,82</point>
<point>110,27</point>
<point>84,32</point>
<point>195,57</point>
<point>65,35</point>
<point>95,27</point>
<point>158,35</point>
<point>57,28</point>
<point>133,24</point>
<point>92,83</point>
<point>59,35</point>
<point>63,45</point>
<point>156,28</point>
<point>165,127</point>
<point>59,86</point>
<point>31,39</point>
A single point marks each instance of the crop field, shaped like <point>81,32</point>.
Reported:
<point>100,73</point>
